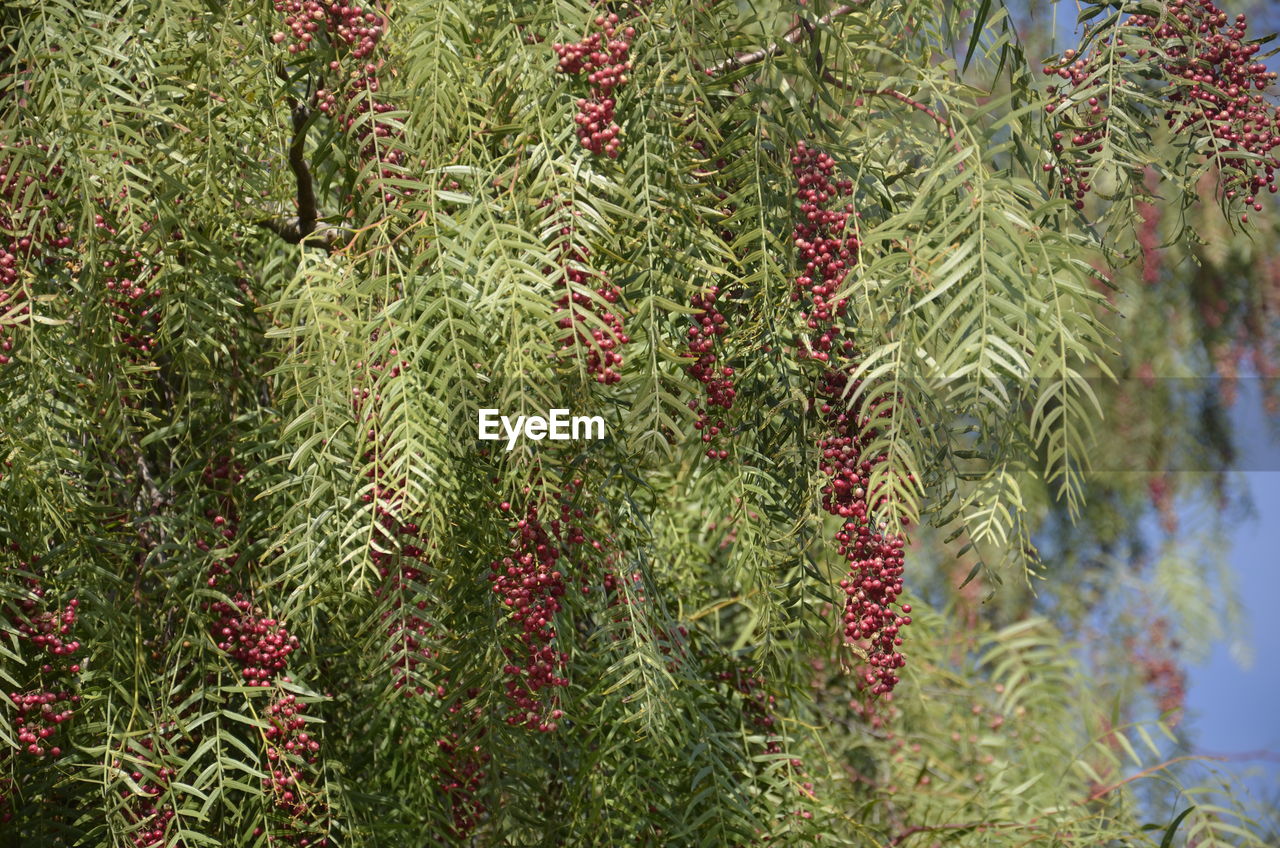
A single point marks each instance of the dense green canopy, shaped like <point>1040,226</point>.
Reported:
<point>874,300</point>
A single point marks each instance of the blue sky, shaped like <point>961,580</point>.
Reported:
<point>1235,710</point>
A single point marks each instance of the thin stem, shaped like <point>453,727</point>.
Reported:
<point>792,36</point>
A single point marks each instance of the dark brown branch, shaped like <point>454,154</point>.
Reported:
<point>294,230</point>
<point>301,173</point>
<point>791,36</point>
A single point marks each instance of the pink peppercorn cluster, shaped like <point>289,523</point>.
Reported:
<point>221,477</point>
<point>132,293</point>
<point>705,336</point>
<point>826,247</point>
<point>261,646</point>
<point>350,35</point>
<point>41,710</point>
<point>603,57</point>
<point>579,311</point>
<point>1201,44</point>
<point>1156,658</point>
<point>293,760</point>
<point>25,199</point>
<point>531,582</point>
<point>462,773</point>
<point>144,808</point>
<point>875,557</point>
<point>398,546</point>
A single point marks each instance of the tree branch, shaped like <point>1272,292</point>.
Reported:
<point>303,226</point>
<point>792,36</point>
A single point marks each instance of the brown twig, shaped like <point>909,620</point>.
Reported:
<point>898,95</point>
<point>303,226</point>
<point>791,36</point>
<point>934,828</point>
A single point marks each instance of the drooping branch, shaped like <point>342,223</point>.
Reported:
<point>791,36</point>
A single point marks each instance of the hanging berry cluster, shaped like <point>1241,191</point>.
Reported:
<point>352,36</point>
<point>261,646</point>
<point>1196,42</point>
<point>875,557</point>
<point>710,369</point>
<point>531,582</point>
<point>24,200</point>
<point>828,249</point>
<point>603,56</point>
<point>706,335</point>
<point>130,281</point>
<point>41,710</point>
<point>463,771</point>
<point>144,807</point>
<point>293,760</point>
<point>223,519</point>
<point>1156,658</point>
<point>398,547</point>
<point>580,312</point>
<point>826,246</point>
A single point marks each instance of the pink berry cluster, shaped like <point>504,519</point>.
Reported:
<point>131,291</point>
<point>579,311</point>
<point>826,246</point>
<point>1199,43</point>
<point>828,249</point>
<point>463,771</point>
<point>531,582</point>
<point>144,808</point>
<point>352,35</point>
<point>24,200</point>
<point>223,518</point>
<point>709,369</point>
<point>261,646</point>
<point>406,622</point>
<point>875,557</point>
<point>40,711</point>
<point>293,757</point>
<point>398,548</point>
<point>356,28</point>
<point>603,56</point>
<point>758,704</point>
<point>1161,672</point>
